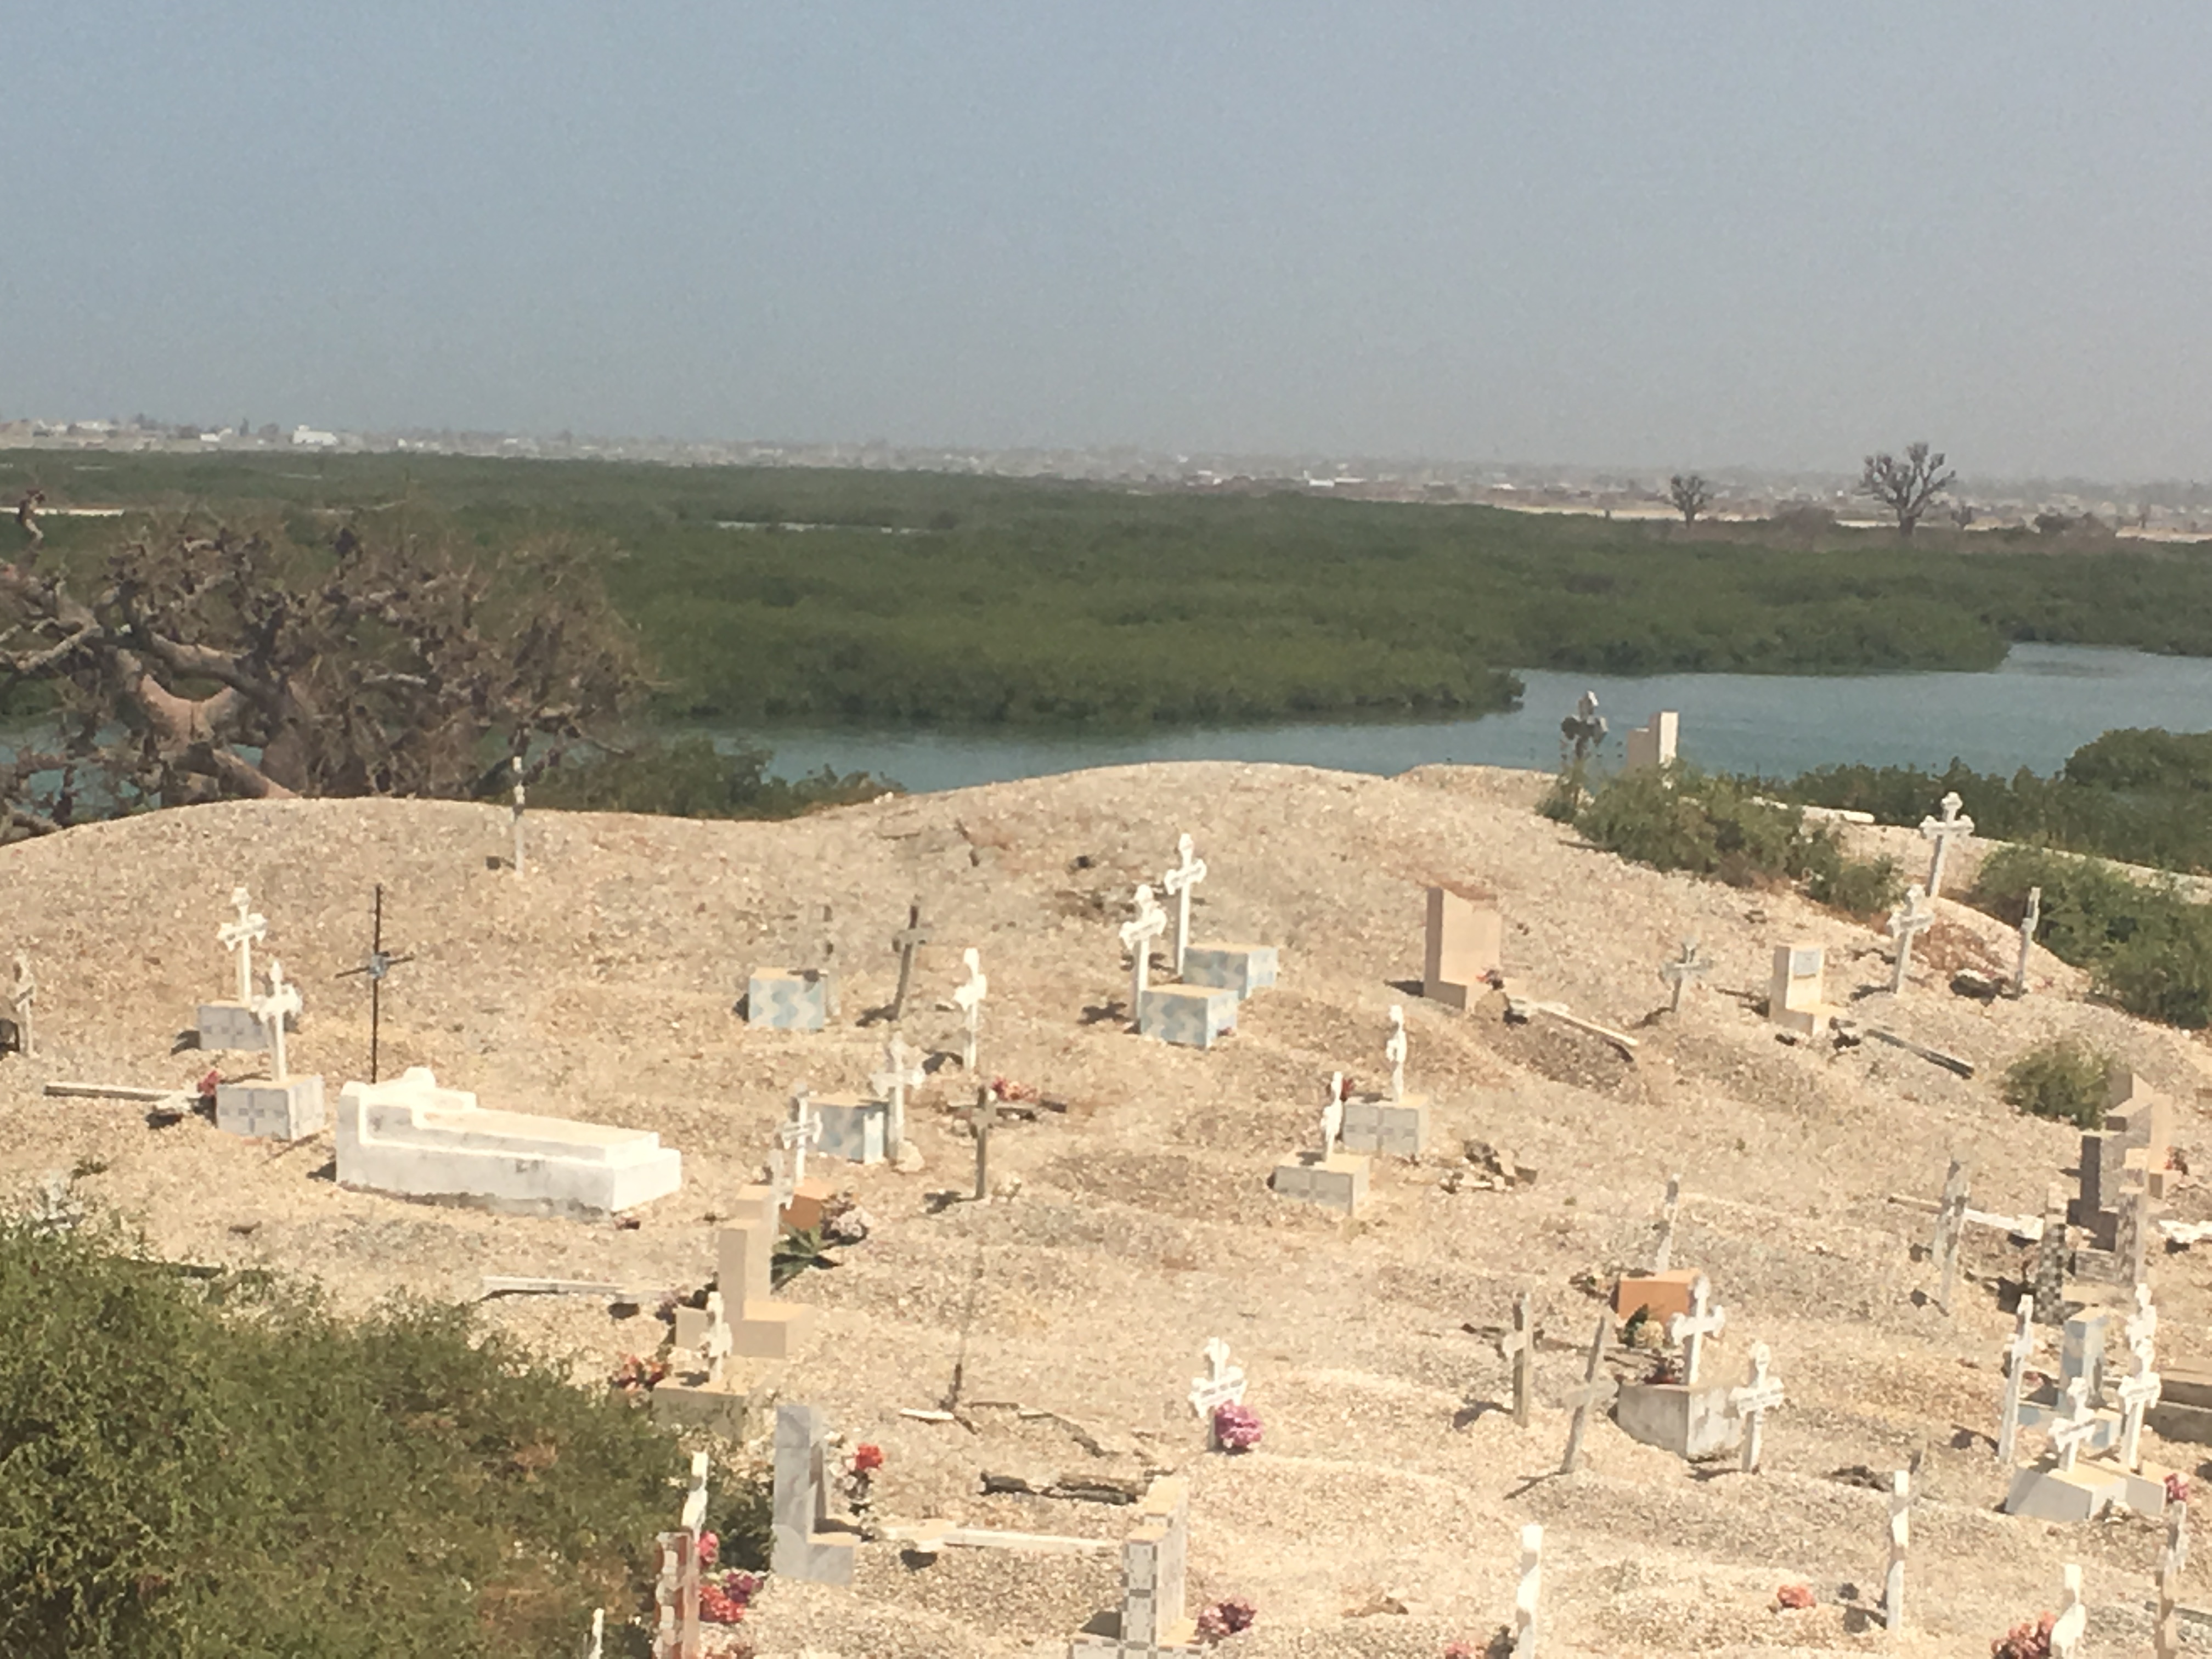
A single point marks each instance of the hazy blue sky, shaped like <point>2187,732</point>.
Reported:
<point>1771,235</point>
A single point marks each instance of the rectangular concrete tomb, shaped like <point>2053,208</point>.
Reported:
<point>1337,1181</point>
<point>1195,1015</point>
<point>1374,1123</point>
<point>414,1140</point>
<point>803,1546</point>
<point>270,1111</point>
<point>1689,1422</point>
<point>853,1128</point>
<point>1464,945</point>
<point>787,1001</point>
<point>2044,1491</point>
<point>1652,747</point>
<point>1242,968</point>
<point>230,1027</point>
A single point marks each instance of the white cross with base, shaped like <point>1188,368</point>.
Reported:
<point>2073,1618</point>
<point>1691,1329</point>
<point>2017,1352</point>
<point>1221,1385</point>
<point>2027,926</point>
<point>1393,1050</point>
<point>1137,937</point>
<point>901,1071</point>
<point>969,997</point>
<point>2070,1431</point>
<point>1681,970</point>
<point>803,1130</point>
<point>1941,831</point>
<point>715,1342</point>
<point>1663,1258</point>
<point>1906,924</point>
<point>1332,1114</point>
<point>1900,1534</point>
<point>2138,1392</point>
<point>240,937</point>
<point>1178,882</point>
<point>1530,1590</point>
<point>1760,1394</point>
<point>282,1000</point>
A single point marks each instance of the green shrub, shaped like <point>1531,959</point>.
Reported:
<point>1681,818</point>
<point>1859,887</point>
<point>2146,947</point>
<point>193,1467</point>
<point>2063,1080</point>
<point>690,778</point>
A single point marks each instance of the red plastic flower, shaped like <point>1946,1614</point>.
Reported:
<point>1794,1595</point>
<point>867,1460</point>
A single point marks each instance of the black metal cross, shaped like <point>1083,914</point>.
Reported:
<point>380,962</point>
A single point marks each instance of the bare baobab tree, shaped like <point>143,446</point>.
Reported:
<point>1690,494</point>
<point>1907,487</point>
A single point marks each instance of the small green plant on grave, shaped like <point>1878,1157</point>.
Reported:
<point>1568,794</point>
<point>796,1250</point>
<point>2065,1079</point>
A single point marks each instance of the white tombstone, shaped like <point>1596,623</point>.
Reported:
<point>902,1070</point>
<point>1760,1394</point>
<point>1221,1385</point>
<point>2073,1618</point>
<point>1942,832</point>
<point>239,937</point>
<point>968,996</point>
<point>1907,923</point>
<point>1529,1592</point>
<point>1136,936</point>
<point>1652,747</point>
<point>2017,1353</point>
<point>1690,1329</point>
<point>2029,923</point>
<point>1393,1050</point>
<point>1177,883</point>
<point>1332,1116</point>
<point>285,1108</point>
<point>1900,1534</point>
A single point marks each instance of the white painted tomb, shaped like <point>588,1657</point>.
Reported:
<point>411,1138</point>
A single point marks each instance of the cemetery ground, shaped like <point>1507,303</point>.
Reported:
<point>1380,1513</point>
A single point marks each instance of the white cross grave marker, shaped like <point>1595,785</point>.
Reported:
<point>1681,970</point>
<point>2017,1353</point>
<point>1760,1394</point>
<point>1221,1385</point>
<point>1526,1596</point>
<point>695,1500</point>
<point>514,763</point>
<point>1906,923</point>
<point>2073,1617</point>
<point>2138,1392</point>
<point>902,1070</point>
<point>2140,1328</point>
<point>1137,937</point>
<point>1942,831</point>
<point>1514,1348</point>
<point>1178,882</point>
<point>2075,1425</point>
<point>803,1130</point>
<point>599,1644</point>
<point>1393,1050</point>
<point>716,1341</point>
<point>283,999</point>
<point>2027,926</point>
<point>1690,1329</point>
<point>1332,1114</point>
<point>21,999</point>
<point>968,996</point>
<point>1900,1534</point>
<point>1663,1258</point>
<point>2167,1633</point>
<point>240,938</point>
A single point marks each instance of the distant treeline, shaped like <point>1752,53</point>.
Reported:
<point>994,600</point>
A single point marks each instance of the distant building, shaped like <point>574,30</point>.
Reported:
<point>307,437</point>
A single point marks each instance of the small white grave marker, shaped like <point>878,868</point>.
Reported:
<point>1942,831</point>
<point>1221,1385</point>
<point>1178,882</point>
<point>2075,1426</point>
<point>2027,926</point>
<point>1690,1329</point>
<point>1393,1050</point>
<point>2140,1329</point>
<point>1136,936</point>
<point>1332,1116</point>
<point>715,1342</point>
<point>239,937</point>
<point>1760,1394</point>
<point>2138,1392</point>
<point>2017,1353</point>
<point>1900,1534</point>
<point>902,1070</point>
<point>2073,1618</point>
<point>803,1130</point>
<point>969,997</point>
<point>1684,968</point>
<point>1530,1591</point>
<point>1906,923</point>
<point>282,1000</point>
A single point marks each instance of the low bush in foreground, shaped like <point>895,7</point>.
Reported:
<point>690,778</point>
<point>200,1466</point>
<point>2063,1080</point>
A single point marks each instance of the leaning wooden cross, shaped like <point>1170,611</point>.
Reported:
<point>907,941</point>
<point>1950,1229</point>
<point>1593,1393</point>
<point>1513,1347</point>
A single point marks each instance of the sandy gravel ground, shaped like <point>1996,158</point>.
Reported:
<point>603,987</point>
